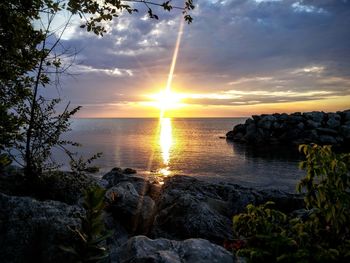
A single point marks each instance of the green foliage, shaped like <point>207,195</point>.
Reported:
<point>92,235</point>
<point>321,235</point>
<point>81,165</point>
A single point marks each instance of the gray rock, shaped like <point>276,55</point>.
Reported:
<point>229,135</point>
<point>345,131</point>
<point>265,124</point>
<point>249,121</point>
<point>33,230</point>
<point>313,124</point>
<point>140,249</point>
<point>118,175</point>
<point>326,131</point>
<point>316,116</point>
<point>250,133</point>
<point>327,139</point>
<point>346,115</point>
<point>284,117</point>
<point>134,211</point>
<point>301,126</point>
<point>190,208</point>
<point>334,120</point>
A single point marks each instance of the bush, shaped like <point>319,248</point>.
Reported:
<point>321,235</point>
<point>92,235</point>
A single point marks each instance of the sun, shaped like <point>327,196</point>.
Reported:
<point>166,100</point>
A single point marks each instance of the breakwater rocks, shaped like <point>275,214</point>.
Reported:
<point>294,129</point>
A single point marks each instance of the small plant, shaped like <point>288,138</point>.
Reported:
<point>323,235</point>
<point>92,235</point>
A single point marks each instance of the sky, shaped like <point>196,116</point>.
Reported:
<point>237,58</point>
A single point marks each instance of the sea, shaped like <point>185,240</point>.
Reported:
<point>162,147</point>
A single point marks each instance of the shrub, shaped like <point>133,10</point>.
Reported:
<point>321,235</point>
<point>92,235</point>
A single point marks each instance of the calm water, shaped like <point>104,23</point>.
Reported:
<point>166,147</point>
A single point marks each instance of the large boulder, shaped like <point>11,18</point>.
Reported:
<point>190,208</point>
<point>134,211</point>
<point>141,183</point>
<point>140,249</point>
<point>33,231</point>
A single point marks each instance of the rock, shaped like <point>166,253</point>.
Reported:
<point>250,133</point>
<point>264,124</point>
<point>229,135</point>
<point>326,131</point>
<point>240,128</point>
<point>238,137</point>
<point>249,121</point>
<point>312,124</point>
<point>345,131</point>
<point>190,208</point>
<point>256,118</point>
<point>129,171</point>
<point>346,115</point>
<point>140,249</point>
<point>117,175</point>
<point>34,230</point>
<point>327,139</point>
<point>283,117</point>
<point>296,128</point>
<point>134,211</point>
<point>301,126</point>
<point>316,116</point>
<point>334,120</point>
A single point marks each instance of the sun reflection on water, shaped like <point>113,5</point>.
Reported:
<point>166,142</point>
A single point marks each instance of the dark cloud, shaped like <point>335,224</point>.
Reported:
<point>270,45</point>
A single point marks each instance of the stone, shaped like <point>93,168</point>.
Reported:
<point>326,131</point>
<point>256,118</point>
<point>345,131</point>
<point>117,175</point>
<point>229,135</point>
<point>191,208</point>
<point>264,124</point>
<point>140,249</point>
<point>316,116</point>
<point>238,137</point>
<point>312,124</point>
<point>34,230</point>
<point>301,126</point>
<point>134,211</point>
<point>250,133</point>
<point>129,171</point>
<point>240,128</point>
<point>327,139</point>
<point>284,117</point>
<point>249,121</point>
<point>346,115</point>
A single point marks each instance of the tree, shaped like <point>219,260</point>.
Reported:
<point>29,122</point>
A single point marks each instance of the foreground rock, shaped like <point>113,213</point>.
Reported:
<point>190,208</point>
<point>140,249</point>
<point>32,231</point>
<point>294,129</point>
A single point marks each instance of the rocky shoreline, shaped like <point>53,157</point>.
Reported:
<point>318,127</point>
<point>182,220</point>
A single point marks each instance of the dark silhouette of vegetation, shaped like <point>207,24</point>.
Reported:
<point>320,234</point>
<point>91,238</point>
<point>32,58</point>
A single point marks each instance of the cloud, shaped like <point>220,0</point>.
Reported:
<point>300,47</point>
